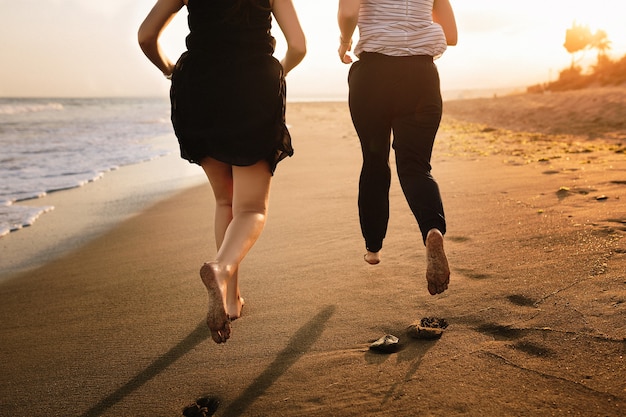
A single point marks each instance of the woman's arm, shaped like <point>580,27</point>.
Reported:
<point>444,15</point>
<point>347,18</point>
<point>150,30</point>
<point>287,19</point>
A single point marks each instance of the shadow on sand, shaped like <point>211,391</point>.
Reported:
<point>197,336</point>
<point>299,344</point>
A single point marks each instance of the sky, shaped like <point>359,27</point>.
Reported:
<point>88,48</point>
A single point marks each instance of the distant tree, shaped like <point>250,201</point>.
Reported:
<point>579,38</point>
<point>605,71</point>
<point>601,42</point>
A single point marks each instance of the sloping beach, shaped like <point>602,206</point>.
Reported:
<point>113,324</point>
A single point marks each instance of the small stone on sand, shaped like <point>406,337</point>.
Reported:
<point>386,344</point>
<point>428,328</point>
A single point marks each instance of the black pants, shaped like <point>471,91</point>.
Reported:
<point>400,95</point>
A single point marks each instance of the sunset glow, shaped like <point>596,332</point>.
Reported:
<point>89,48</point>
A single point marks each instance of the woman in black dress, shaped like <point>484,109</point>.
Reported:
<point>228,113</point>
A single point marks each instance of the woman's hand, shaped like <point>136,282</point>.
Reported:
<point>344,48</point>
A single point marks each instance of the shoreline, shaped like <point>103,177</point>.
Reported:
<point>452,94</point>
<point>82,213</point>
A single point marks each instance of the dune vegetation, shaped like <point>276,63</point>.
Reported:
<point>606,71</point>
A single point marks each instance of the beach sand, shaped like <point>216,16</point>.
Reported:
<point>114,326</point>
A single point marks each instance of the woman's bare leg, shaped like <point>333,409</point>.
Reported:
<point>251,187</point>
<point>215,280</point>
<point>222,185</point>
<point>241,195</point>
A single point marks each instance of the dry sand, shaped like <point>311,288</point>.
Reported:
<point>536,305</point>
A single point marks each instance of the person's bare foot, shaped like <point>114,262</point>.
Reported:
<point>217,320</point>
<point>437,269</point>
<point>372,258</point>
<point>234,300</point>
<point>234,309</point>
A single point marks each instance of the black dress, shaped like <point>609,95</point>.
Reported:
<point>228,91</point>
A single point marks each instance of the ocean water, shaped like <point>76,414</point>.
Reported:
<point>48,145</point>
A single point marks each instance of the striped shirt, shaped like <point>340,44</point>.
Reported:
<point>399,28</point>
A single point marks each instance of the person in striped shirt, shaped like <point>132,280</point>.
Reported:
<point>394,91</point>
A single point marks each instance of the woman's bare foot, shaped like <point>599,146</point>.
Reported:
<point>215,280</point>
<point>234,300</point>
<point>234,309</point>
<point>372,258</point>
<point>437,269</point>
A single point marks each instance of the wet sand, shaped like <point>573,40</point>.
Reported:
<point>536,303</point>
